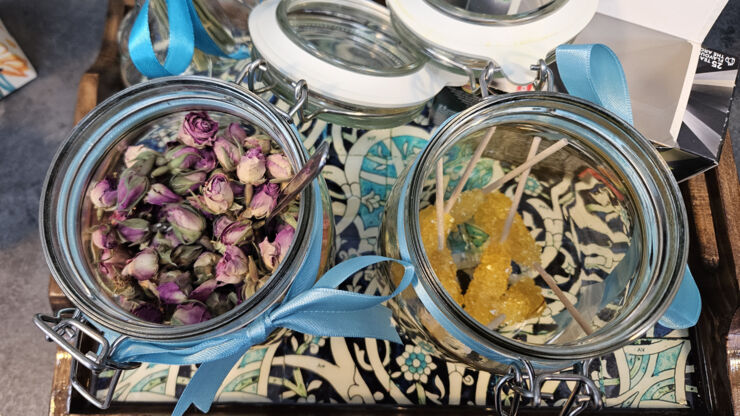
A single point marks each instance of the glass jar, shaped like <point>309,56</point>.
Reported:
<point>150,113</point>
<point>605,208</point>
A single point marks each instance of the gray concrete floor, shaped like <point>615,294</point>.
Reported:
<point>61,39</point>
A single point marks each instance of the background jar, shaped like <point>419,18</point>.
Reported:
<point>607,164</point>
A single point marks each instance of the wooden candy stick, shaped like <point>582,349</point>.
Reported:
<point>439,204</point>
<point>559,293</point>
<point>496,322</point>
<point>519,190</point>
<point>526,165</point>
<point>469,169</point>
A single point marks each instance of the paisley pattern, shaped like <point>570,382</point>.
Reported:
<point>655,371</point>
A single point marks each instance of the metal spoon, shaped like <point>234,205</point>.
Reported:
<point>308,172</point>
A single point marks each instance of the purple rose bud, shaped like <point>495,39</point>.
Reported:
<point>232,268</point>
<point>170,293</point>
<point>185,183</point>
<point>181,158</point>
<point>236,232</point>
<point>251,168</point>
<point>138,152</point>
<point>217,195</point>
<point>198,130</point>
<point>205,289</point>
<point>259,141</point>
<point>283,239</point>
<point>207,161</point>
<point>102,194</point>
<point>182,279</point>
<point>219,225</point>
<point>189,313</point>
<point>103,237</point>
<point>237,132</point>
<point>205,266</point>
<point>264,200</point>
<point>143,266</point>
<point>131,189</point>
<point>160,195</point>
<point>228,152</point>
<point>148,312</point>
<point>134,230</point>
<point>269,253</point>
<point>185,255</point>
<point>186,222</point>
<point>279,167</point>
<point>237,188</point>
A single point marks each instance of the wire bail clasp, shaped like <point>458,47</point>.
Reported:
<point>255,72</point>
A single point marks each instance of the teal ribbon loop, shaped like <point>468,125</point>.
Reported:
<point>186,32</point>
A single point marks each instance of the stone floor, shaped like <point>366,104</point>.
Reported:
<point>61,39</point>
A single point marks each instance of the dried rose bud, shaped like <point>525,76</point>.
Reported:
<point>148,312</point>
<point>149,287</point>
<point>251,168</point>
<point>283,239</point>
<point>181,158</point>
<point>207,161</point>
<point>279,167</point>
<point>185,255</point>
<point>259,141</point>
<point>102,194</point>
<point>205,266</point>
<point>114,256</point>
<point>232,267</point>
<point>219,303</point>
<point>189,313</point>
<point>185,183</point>
<point>269,253</point>
<point>237,188</point>
<point>131,189</point>
<point>138,152</point>
<point>237,132</point>
<point>182,279</point>
<point>186,222</point>
<point>160,195</point>
<point>219,225</point>
<point>117,217</point>
<point>264,200</point>
<point>198,130</point>
<point>143,266</point>
<point>134,230</point>
<point>102,237</point>
<point>228,152</point>
<point>236,232</point>
<point>170,293</point>
<point>217,195</point>
<point>205,289</point>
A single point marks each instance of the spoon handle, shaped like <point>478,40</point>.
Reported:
<point>308,173</point>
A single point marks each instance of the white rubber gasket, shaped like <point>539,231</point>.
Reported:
<point>341,84</point>
<point>513,47</point>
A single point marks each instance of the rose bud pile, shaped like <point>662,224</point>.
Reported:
<point>181,235</point>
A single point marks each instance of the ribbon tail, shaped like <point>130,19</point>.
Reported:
<point>205,383</point>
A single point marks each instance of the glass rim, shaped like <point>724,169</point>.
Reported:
<point>493,20</point>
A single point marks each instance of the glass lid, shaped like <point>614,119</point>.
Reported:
<point>497,11</point>
<point>349,35</point>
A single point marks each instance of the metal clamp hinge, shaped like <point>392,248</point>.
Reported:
<point>254,72</point>
<point>65,329</point>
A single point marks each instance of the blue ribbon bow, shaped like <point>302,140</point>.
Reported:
<point>186,32</point>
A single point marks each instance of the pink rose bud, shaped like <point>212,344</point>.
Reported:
<point>102,194</point>
<point>279,167</point>
<point>232,268</point>
<point>236,232</point>
<point>237,188</point>
<point>205,289</point>
<point>181,158</point>
<point>186,222</point>
<point>171,294</point>
<point>251,168</point>
<point>207,161</point>
<point>138,152</point>
<point>219,225</point>
<point>270,253</point>
<point>217,195</point>
<point>102,237</point>
<point>185,255</point>
<point>185,183</point>
<point>264,200</point>
<point>160,195</point>
<point>239,132</point>
<point>189,313</point>
<point>198,130</point>
<point>131,189</point>
<point>143,266</point>
<point>228,152</point>
<point>134,230</point>
<point>205,266</point>
<point>259,141</point>
<point>283,239</point>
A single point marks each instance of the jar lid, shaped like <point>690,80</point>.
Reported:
<point>347,52</point>
<point>469,34</point>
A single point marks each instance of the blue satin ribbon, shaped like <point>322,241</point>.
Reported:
<point>317,309</point>
<point>593,72</point>
<point>186,32</point>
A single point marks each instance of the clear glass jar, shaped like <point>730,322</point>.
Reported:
<point>605,207</point>
<point>151,113</point>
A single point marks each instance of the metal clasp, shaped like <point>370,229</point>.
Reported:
<point>545,77</point>
<point>521,380</point>
<point>65,329</point>
<point>254,72</point>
